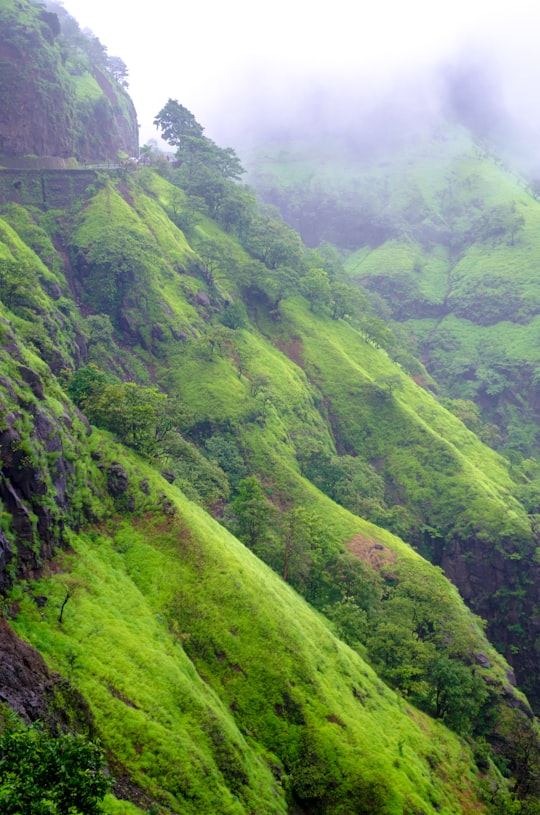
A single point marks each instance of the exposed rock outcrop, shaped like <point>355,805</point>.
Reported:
<point>44,110</point>
<point>496,586</point>
<point>33,692</point>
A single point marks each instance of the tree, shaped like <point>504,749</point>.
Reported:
<point>401,657</point>
<point>113,269</point>
<point>173,417</point>
<point>72,585</point>
<point>215,260</point>
<point>376,332</point>
<point>224,450</point>
<point>14,283</point>
<point>204,165</point>
<point>350,620</point>
<point>118,69</point>
<point>178,125</point>
<point>236,210</point>
<point>281,282</point>
<point>500,220</point>
<point>85,381</point>
<point>303,548</point>
<point>274,243</point>
<point>456,693</point>
<point>234,315</point>
<point>390,383</point>
<point>201,479</point>
<point>346,300</point>
<point>217,339</point>
<point>315,287</point>
<point>129,411</point>
<point>252,511</point>
<point>101,330</point>
<point>146,154</point>
<point>44,775</point>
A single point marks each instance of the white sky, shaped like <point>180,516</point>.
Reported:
<point>213,55</point>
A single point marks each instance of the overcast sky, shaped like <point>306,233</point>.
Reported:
<point>223,60</point>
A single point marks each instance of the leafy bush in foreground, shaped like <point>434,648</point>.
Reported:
<point>44,775</point>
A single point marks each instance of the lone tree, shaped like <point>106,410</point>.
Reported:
<point>252,511</point>
<point>178,125</point>
<point>195,152</point>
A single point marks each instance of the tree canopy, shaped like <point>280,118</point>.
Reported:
<point>195,151</point>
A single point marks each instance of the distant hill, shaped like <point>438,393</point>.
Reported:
<point>443,234</point>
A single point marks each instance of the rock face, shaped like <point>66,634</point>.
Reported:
<point>24,677</point>
<point>24,484</point>
<point>38,476</point>
<point>497,586</point>
<point>28,688</point>
<point>44,107</point>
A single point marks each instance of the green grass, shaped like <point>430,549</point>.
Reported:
<point>214,685</point>
<point>174,625</point>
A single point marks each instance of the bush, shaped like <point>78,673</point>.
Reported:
<point>44,775</point>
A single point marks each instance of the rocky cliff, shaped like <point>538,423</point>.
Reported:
<point>58,95</point>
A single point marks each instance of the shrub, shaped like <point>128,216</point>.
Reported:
<point>42,774</point>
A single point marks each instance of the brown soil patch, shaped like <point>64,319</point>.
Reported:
<point>293,349</point>
<point>370,551</point>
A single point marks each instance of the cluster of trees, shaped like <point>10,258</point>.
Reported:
<point>346,218</point>
<point>483,373</point>
<point>115,270</point>
<point>292,541</point>
<point>406,630</point>
<point>85,49</point>
<point>420,649</point>
<point>203,170</point>
<point>280,265</point>
<point>13,285</point>
<point>353,482</point>
<point>156,426</point>
<point>362,215</point>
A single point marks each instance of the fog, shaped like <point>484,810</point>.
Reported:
<point>389,69</point>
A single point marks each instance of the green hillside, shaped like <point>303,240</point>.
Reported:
<point>446,234</point>
<point>228,488</point>
<point>255,423</point>
<point>62,95</point>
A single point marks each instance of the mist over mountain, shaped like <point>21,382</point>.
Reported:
<point>371,113</point>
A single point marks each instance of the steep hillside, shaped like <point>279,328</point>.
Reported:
<point>189,651</point>
<point>444,235</point>
<point>442,238</point>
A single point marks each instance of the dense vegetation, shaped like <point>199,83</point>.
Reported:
<point>221,473</point>
<point>443,235</point>
<point>61,775</point>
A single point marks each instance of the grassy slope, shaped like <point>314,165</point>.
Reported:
<point>469,297</point>
<point>174,624</point>
<point>457,185</point>
<point>124,586</point>
<point>425,225</point>
<point>481,344</point>
<point>473,483</point>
